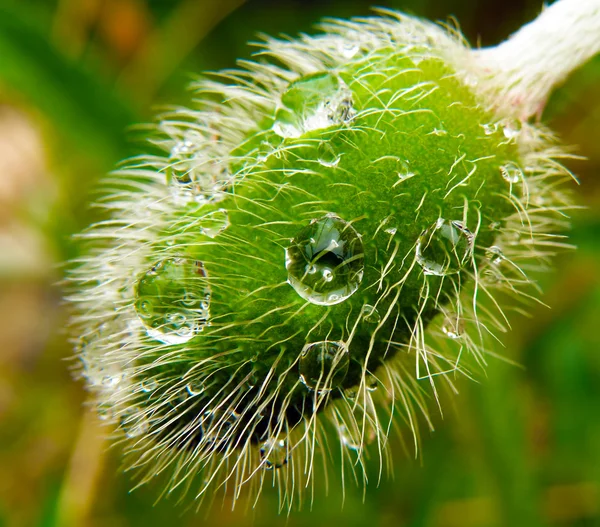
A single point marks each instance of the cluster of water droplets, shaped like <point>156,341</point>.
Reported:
<point>172,300</point>
<point>444,248</point>
<point>313,102</point>
<point>325,261</point>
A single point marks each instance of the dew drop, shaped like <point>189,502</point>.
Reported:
<point>347,49</point>
<point>489,128</point>
<point>149,385</point>
<point>327,156</point>
<point>512,129</point>
<point>112,381</point>
<point>346,438</point>
<point>325,261</point>
<point>444,248</point>
<point>214,223</point>
<point>313,102</point>
<point>133,423</point>
<point>494,254</point>
<point>274,453</point>
<point>370,314</point>
<point>172,299</point>
<point>104,411</point>
<point>194,387</point>
<point>453,326</point>
<point>323,365</point>
<point>511,173</point>
<point>371,382</point>
<point>217,426</point>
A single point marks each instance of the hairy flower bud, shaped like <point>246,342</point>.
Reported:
<point>330,233</point>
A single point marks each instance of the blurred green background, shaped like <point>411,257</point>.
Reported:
<point>77,79</point>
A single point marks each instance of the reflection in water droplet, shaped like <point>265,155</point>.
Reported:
<point>274,453</point>
<point>325,261</point>
<point>172,299</point>
<point>511,173</point>
<point>494,254</point>
<point>370,314</point>
<point>323,365</point>
<point>444,248</point>
<point>214,223</point>
<point>453,326</point>
<point>313,102</point>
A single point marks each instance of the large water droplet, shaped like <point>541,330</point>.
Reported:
<point>324,365</point>
<point>214,223</point>
<point>444,248</point>
<point>313,102</point>
<point>274,452</point>
<point>326,155</point>
<point>325,261</point>
<point>172,300</point>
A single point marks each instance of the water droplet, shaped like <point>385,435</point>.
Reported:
<point>489,128</point>
<point>512,129</point>
<point>149,385</point>
<point>133,423</point>
<point>494,254</point>
<point>214,223</point>
<point>444,248</point>
<point>195,387</point>
<point>217,426</point>
<point>111,381</point>
<point>511,173</point>
<point>346,438</point>
<point>351,393</point>
<point>323,365</point>
<point>453,326</point>
<point>105,411</point>
<point>197,173</point>
<point>313,102</point>
<point>371,382</point>
<point>325,261</point>
<point>171,300</point>
<point>327,156</point>
<point>274,453</point>
<point>347,49</point>
<point>370,314</point>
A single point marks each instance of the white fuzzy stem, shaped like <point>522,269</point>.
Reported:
<point>519,74</point>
